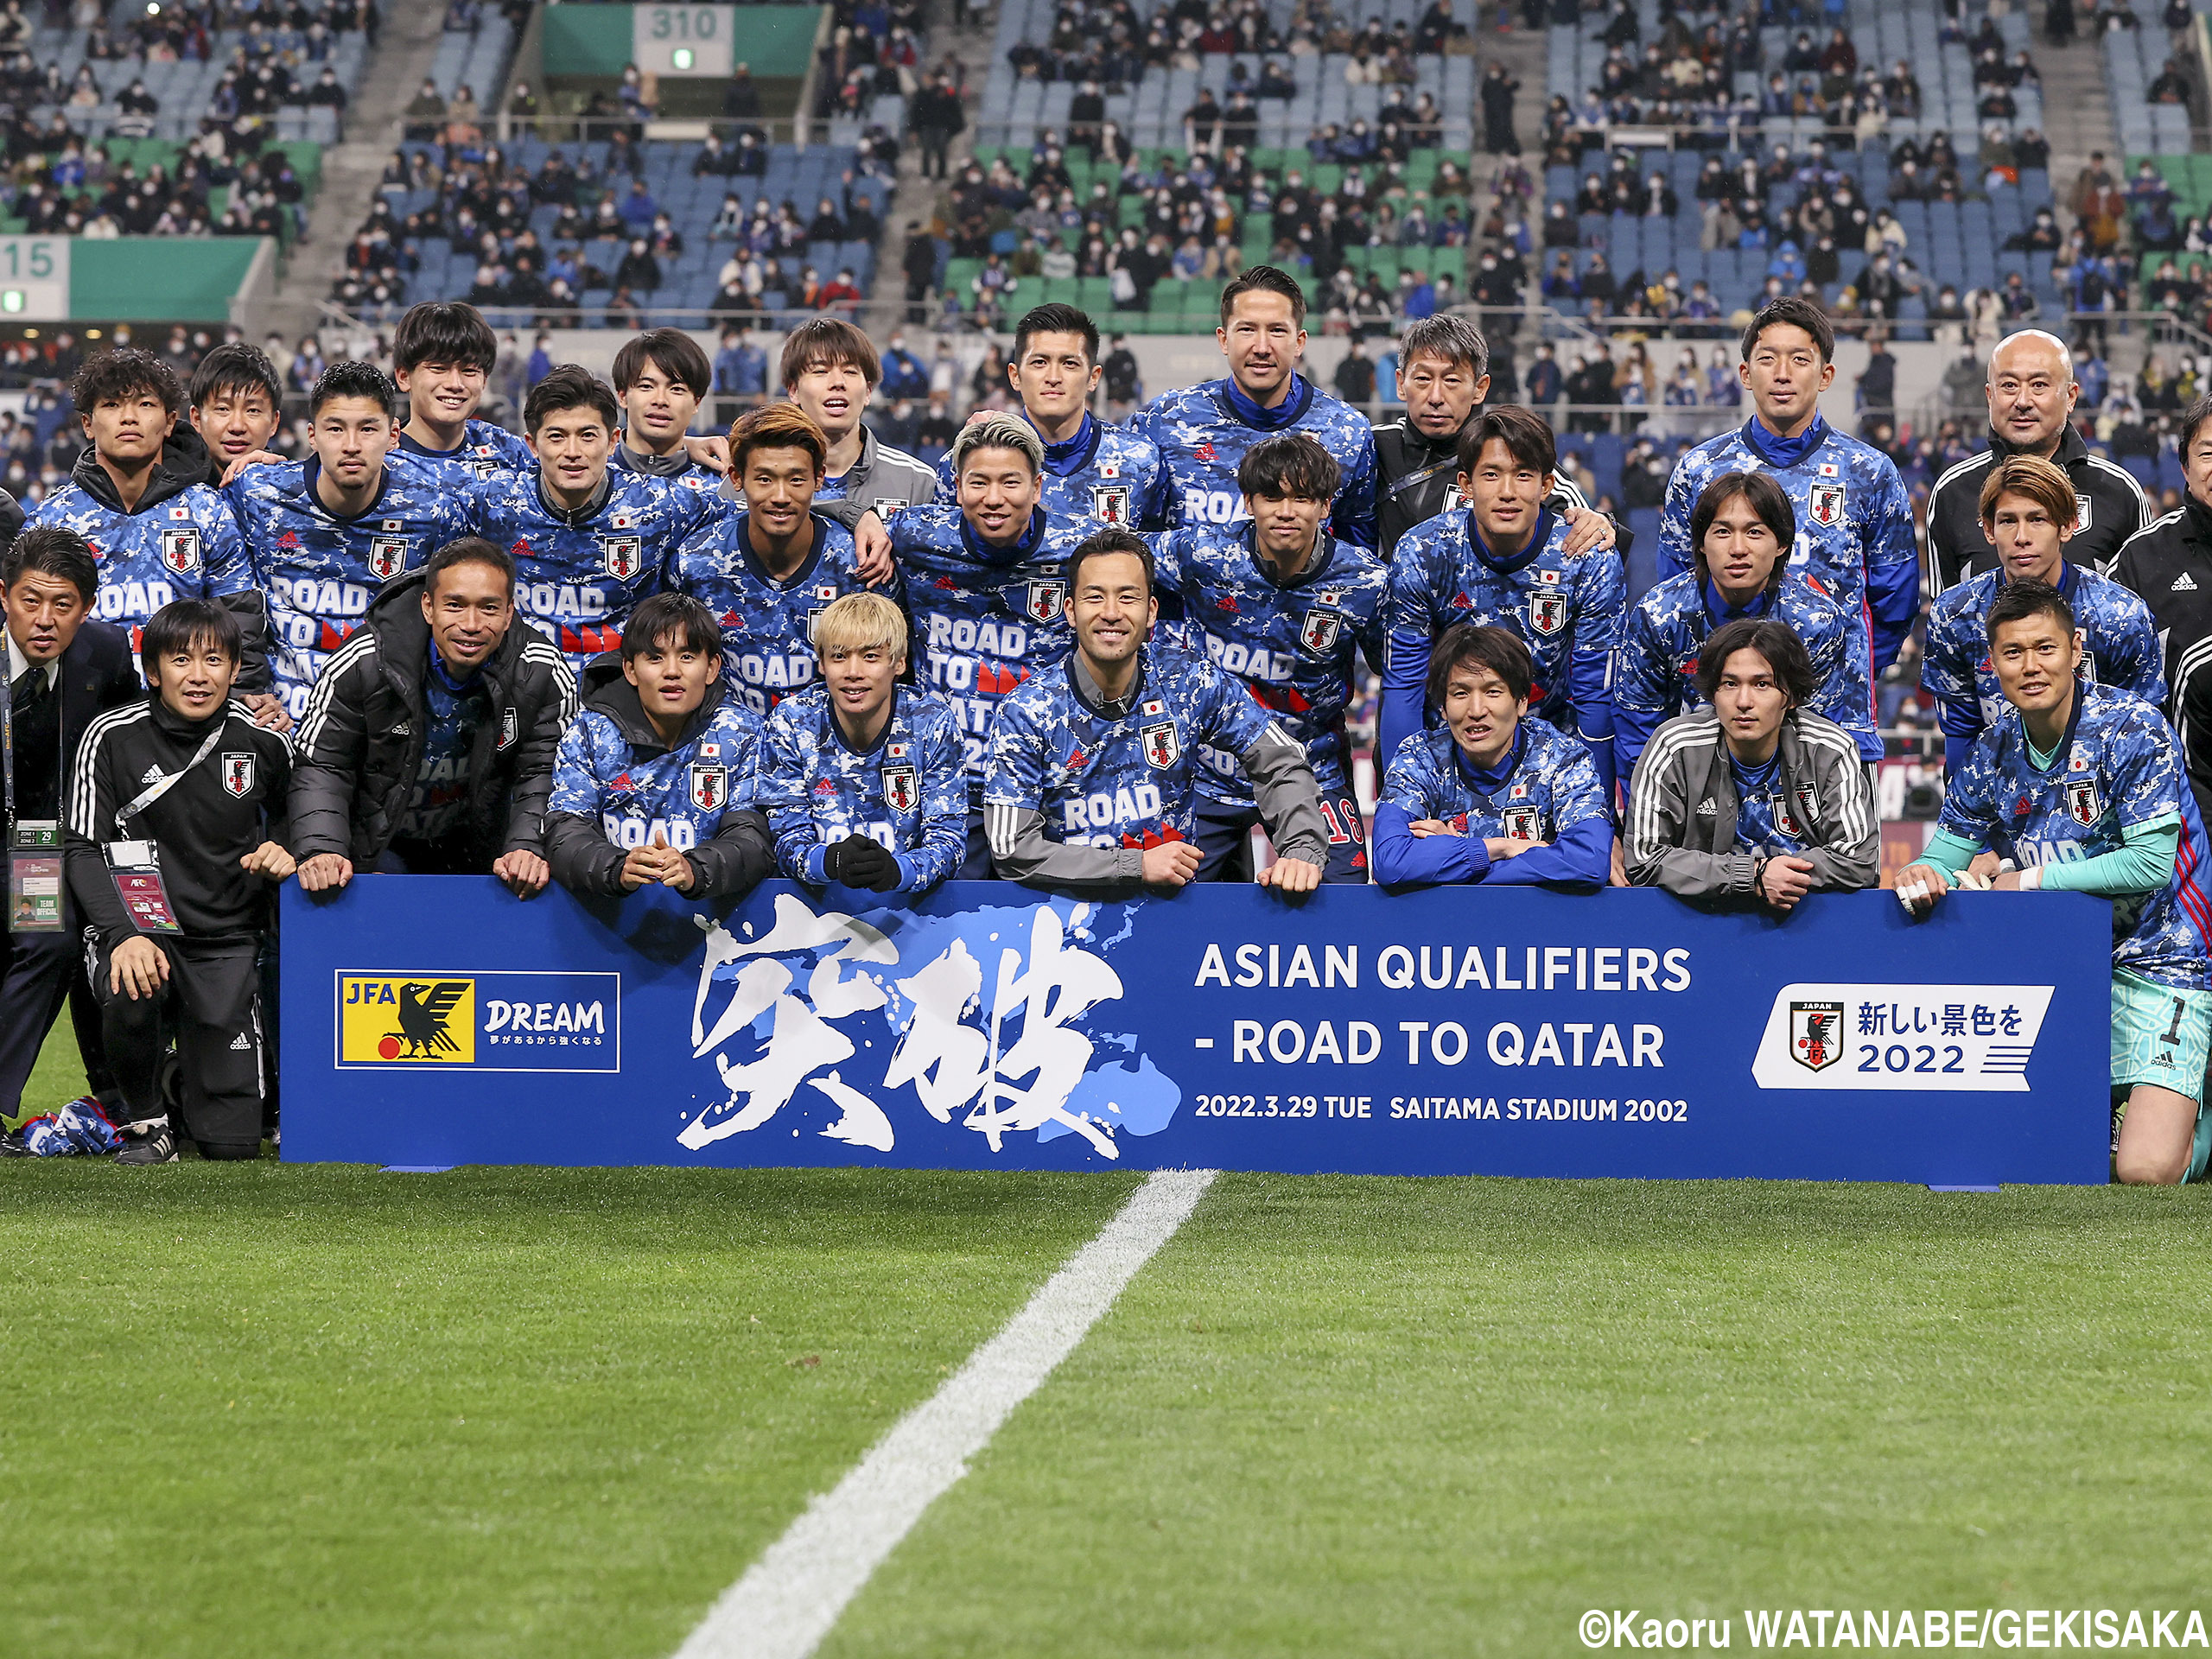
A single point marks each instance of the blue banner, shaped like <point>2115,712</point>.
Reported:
<point>438,1020</point>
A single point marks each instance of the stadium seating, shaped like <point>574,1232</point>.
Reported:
<point>477,60</point>
<point>2133,58</point>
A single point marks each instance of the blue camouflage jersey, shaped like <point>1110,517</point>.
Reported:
<point>1766,818</point>
<point>1854,538</point>
<point>2116,771</point>
<point>767,626</point>
<point>680,793</point>
<point>320,572</point>
<point>1656,676</point>
<point>986,618</point>
<point>1545,786</point>
<point>486,451</point>
<point>908,794</point>
<point>2119,648</point>
<point>1106,473</point>
<point>1568,611</point>
<point>184,545</point>
<point>578,576</point>
<point>1203,432</point>
<point>1290,643</point>
<point>1126,782</point>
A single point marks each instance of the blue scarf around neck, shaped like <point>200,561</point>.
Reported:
<point>1269,420</point>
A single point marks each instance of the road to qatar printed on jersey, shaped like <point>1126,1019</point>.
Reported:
<point>1456,1032</point>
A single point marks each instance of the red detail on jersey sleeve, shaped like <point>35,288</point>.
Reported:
<point>1283,699</point>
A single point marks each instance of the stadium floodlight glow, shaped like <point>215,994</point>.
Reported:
<point>153,7</point>
<point>682,58</point>
<point>11,301</point>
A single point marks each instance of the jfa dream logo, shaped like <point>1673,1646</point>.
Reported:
<point>484,1022</point>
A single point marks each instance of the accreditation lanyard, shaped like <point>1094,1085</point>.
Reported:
<point>34,844</point>
<point>134,866</point>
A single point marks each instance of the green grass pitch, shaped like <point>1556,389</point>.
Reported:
<point>273,1410</point>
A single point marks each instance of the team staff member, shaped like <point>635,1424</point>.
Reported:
<point>1203,432</point>
<point>588,542</point>
<point>1495,796</point>
<point>429,743</point>
<point>660,377</point>
<point>2026,514</point>
<point>1503,560</point>
<point>1854,521</point>
<point>137,496</point>
<point>63,671</point>
<point>654,782</point>
<point>1741,531</point>
<point>986,583</point>
<point>1443,377</point>
<point>2080,787</point>
<point>2168,565</point>
<point>830,369</point>
<point>865,781</point>
<point>2032,392</point>
<point>1091,470</point>
<point>178,800</point>
<point>1278,605</point>
<point>767,571</point>
<point>1754,799</point>
<point>328,532</point>
<point>1094,762</point>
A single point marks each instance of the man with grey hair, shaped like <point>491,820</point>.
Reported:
<point>2031,392</point>
<point>1443,377</point>
<point>986,582</point>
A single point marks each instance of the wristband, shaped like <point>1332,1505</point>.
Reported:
<point>2031,879</point>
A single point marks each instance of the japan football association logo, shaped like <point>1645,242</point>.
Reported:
<point>2080,513</point>
<point>1520,823</point>
<point>1817,1034</point>
<point>1044,601</point>
<point>387,556</point>
<point>709,789</point>
<point>624,555</point>
<point>1825,503</point>
<point>902,788</point>
<point>2083,801</point>
<point>506,728</point>
<point>237,775</point>
<point>1548,613</point>
<point>1162,748</point>
<point>1109,503</point>
<point>1320,631</point>
<point>181,550</point>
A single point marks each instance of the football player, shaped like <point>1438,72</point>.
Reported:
<point>442,354</point>
<point>236,405</point>
<point>660,377</point>
<point>830,369</point>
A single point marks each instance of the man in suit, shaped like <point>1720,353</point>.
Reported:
<point>62,670</point>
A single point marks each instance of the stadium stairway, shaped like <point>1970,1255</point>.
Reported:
<point>406,52</point>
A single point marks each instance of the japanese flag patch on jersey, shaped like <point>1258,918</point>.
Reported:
<point>902,778</point>
<point>624,555</point>
<point>237,774</point>
<point>710,779</point>
<point>181,548</point>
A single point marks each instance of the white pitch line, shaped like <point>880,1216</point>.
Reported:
<point>789,1599</point>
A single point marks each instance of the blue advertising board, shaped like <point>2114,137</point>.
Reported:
<point>438,1020</point>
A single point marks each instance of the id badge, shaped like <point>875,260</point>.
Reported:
<point>35,877</point>
<point>134,866</point>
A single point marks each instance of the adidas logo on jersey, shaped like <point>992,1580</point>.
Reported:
<point>239,1043</point>
<point>1706,809</point>
<point>2183,583</point>
<point>154,775</point>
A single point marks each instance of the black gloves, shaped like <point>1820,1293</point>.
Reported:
<point>859,862</point>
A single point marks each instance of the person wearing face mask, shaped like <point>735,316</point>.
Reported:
<point>1753,801</point>
<point>1443,379</point>
<point>654,783</point>
<point>2032,392</point>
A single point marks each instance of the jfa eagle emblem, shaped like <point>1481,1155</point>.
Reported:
<point>387,556</point>
<point>181,550</point>
<point>1162,748</point>
<point>2083,801</point>
<point>710,779</point>
<point>1548,613</point>
<point>1520,823</point>
<point>1045,600</point>
<point>1824,502</point>
<point>1109,503</point>
<point>902,780</point>
<point>237,774</point>
<point>624,555</point>
<point>1817,1034</point>
<point>1319,631</point>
